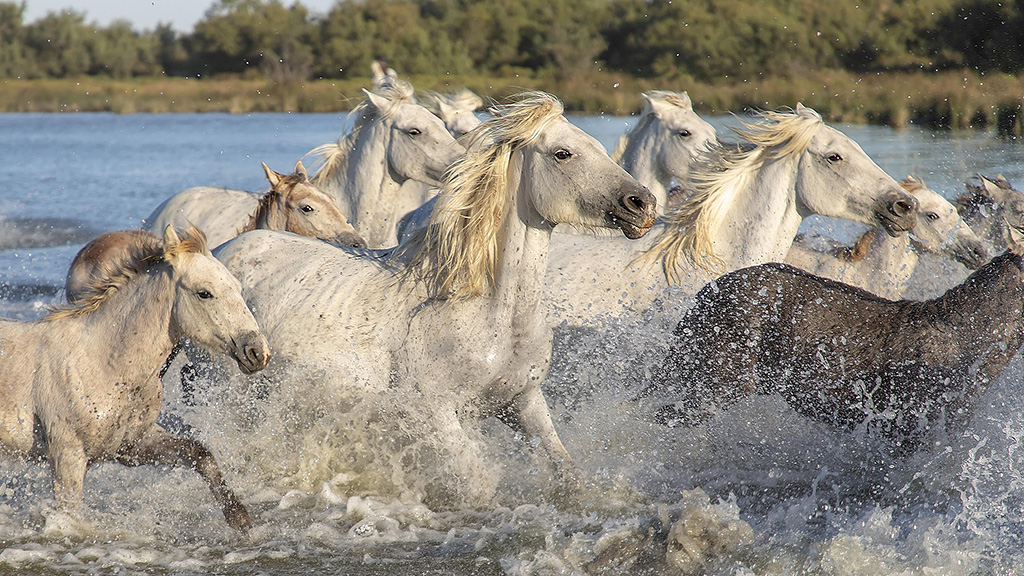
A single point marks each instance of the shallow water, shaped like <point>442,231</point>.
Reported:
<point>758,490</point>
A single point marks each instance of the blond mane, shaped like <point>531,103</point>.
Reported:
<point>142,255</point>
<point>329,158</point>
<point>457,253</point>
<point>715,185</point>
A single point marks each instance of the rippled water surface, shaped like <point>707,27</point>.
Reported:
<point>758,490</point>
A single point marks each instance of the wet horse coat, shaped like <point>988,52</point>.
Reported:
<point>841,355</point>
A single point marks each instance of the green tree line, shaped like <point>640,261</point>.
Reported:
<point>700,40</point>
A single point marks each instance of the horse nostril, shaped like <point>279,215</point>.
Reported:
<point>901,208</point>
<point>637,203</point>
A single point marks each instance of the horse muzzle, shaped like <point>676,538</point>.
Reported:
<point>251,351</point>
<point>970,252</point>
<point>897,213</point>
<point>634,211</point>
<point>349,239</point>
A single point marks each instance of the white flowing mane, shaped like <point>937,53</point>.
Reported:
<point>457,252</point>
<point>716,183</point>
<point>143,253</point>
<point>331,157</point>
<point>673,98</point>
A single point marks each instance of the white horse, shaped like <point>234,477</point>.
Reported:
<point>80,386</point>
<point>665,143</point>
<point>457,111</point>
<point>745,207</point>
<point>882,264</point>
<point>447,329</point>
<point>292,204</point>
<point>392,140</point>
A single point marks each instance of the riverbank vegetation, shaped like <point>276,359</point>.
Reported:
<point>944,63</point>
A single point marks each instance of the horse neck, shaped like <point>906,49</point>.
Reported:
<point>523,249</point>
<point>987,310</point>
<point>371,189</point>
<point>135,325</point>
<point>640,159</point>
<point>763,220</point>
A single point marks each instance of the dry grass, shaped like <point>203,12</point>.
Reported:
<point>952,99</point>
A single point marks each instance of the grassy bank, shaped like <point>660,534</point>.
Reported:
<point>953,99</point>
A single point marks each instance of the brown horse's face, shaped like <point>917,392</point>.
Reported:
<point>307,211</point>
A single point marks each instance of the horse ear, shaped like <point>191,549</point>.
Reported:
<point>685,101</point>
<point>447,110</point>
<point>656,105</point>
<point>1016,237</point>
<point>273,177</point>
<point>806,112</point>
<point>301,171</point>
<point>376,100</point>
<point>171,242</point>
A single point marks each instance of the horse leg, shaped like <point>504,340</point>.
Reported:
<point>68,465</point>
<point>159,447</point>
<point>528,413</point>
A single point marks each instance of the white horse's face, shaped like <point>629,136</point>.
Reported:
<point>836,178</point>
<point>682,136</point>
<point>420,147</point>
<point>460,122</point>
<point>940,229</point>
<point>209,309</point>
<point>575,182</point>
<point>308,211</point>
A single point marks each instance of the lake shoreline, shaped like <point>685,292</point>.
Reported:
<point>950,99</point>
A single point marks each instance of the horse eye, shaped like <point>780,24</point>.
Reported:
<point>563,154</point>
<point>933,216</point>
<point>834,157</point>
<point>306,208</point>
<point>685,133</point>
<point>414,132</point>
<point>204,294</point>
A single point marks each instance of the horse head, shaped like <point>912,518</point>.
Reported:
<point>940,229</point>
<point>837,178</point>
<point>682,134</point>
<point>297,206</point>
<point>419,146</point>
<point>208,306</point>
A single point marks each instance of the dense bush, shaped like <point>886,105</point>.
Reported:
<point>706,40</point>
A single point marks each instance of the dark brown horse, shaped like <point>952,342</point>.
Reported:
<point>843,356</point>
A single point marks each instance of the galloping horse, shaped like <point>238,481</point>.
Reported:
<point>843,356</point>
<point>80,386</point>
<point>451,318</point>
<point>392,140</point>
<point>745,207</point>
<point>883,265</point>
<point>665,143</point>
<point>292,204</point>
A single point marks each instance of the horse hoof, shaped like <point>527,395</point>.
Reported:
<point>238,517</point>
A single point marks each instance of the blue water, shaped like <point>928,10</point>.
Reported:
<point>815,503</point>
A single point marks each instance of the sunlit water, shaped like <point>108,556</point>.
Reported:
<point>758,490</point>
